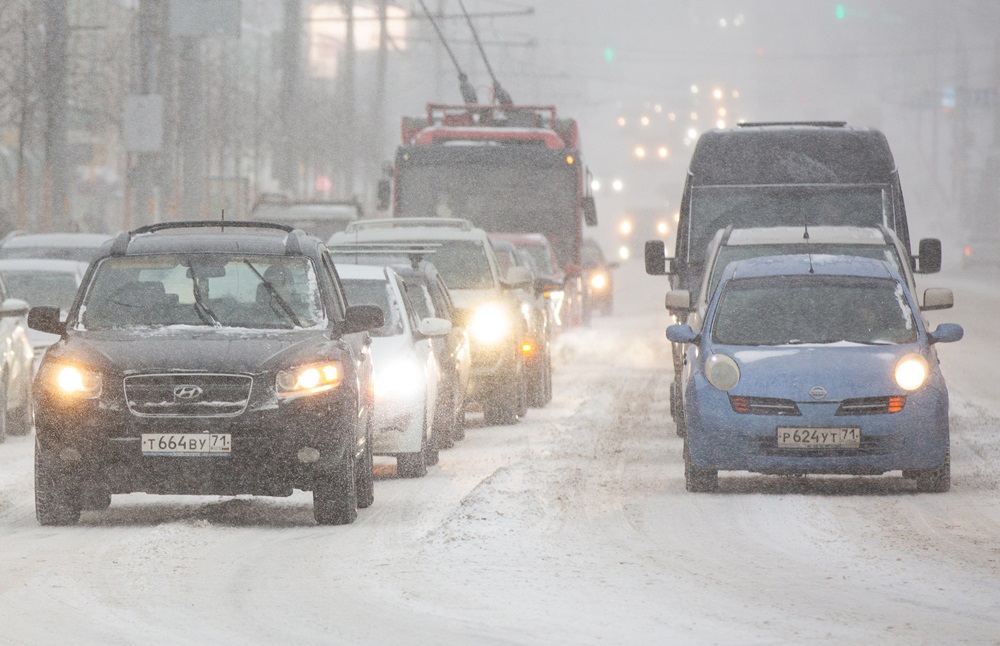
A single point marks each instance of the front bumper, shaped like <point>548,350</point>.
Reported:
<point>719,438</point>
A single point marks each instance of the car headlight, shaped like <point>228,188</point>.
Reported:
<point>490,324</point>
<point>309,379</point>
<point>73,381</point>
<point>722,371</point>
<point>402,378</point>
<point>599,281</point>
<point>911,372</point>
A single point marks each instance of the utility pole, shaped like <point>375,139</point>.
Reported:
<point>191,131</point>
<point>56,175</point>
<point>349,139</point>
<point>287,158</point>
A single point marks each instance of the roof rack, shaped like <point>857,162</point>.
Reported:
<point>120,245</point>
<point>385,247</point>
<point>779,124</point>
<point>399,223</point>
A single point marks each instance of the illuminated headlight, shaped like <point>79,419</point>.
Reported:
<point>911,372</point>
<point>399,379</point>
<point>598,281</point>
<point>490,324</point>
<point>306,380</point>
<point>722,372</point>
<point>73,381</point>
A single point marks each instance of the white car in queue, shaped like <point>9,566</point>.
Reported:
<point>406,374</point>
<point>43,281</point>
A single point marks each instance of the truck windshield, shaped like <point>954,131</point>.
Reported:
<point>716,207</point>
<point>815,309</point>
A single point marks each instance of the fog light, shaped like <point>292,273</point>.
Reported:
<point>70,455</point>
<point>308,455</point>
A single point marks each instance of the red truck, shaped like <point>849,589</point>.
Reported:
<point>505,168</point>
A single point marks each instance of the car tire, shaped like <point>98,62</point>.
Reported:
<point>95,499</point>
<point>504,406</point>
<point>21,420</point>
<point>364,479</point>
<point>935,480</point>
<point>56,503</point>
<point>699,480</point>
<point>335,499</point>
<point>414,465</point>
<point>537,389</point>
<point>444,420</point>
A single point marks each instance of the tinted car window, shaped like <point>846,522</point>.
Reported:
<point>797,310</point>
<point>376,292</point>
<point>42,288</point>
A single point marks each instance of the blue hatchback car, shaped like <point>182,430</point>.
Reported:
<point>815,364</point>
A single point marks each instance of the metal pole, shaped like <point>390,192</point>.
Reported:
<point>56,175</point>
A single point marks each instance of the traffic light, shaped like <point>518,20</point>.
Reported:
<point>609,54</point>
<point>840,11</point>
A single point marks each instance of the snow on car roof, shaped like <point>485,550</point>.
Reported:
<point>66,239</point>
<point>361,272</point>
<point>817,234</point>
<point>822,264</point>
<point>53,266</point>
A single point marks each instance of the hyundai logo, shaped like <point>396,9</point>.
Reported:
<point>188,391</point>
<point>817,392</point>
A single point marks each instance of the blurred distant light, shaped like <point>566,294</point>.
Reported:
<point>663,228</point>
<point>694,89</point>
<point>595,185</point>
<point>694,116</point>
<point>625,227</point>
<point>687,141</point>
<point>644,120</point>
<point>736,94</point>
<point>672,116</point>
<point>840,11</point>
<point>717,93</point>
<point>692,133</point>
<point>623,252</point>
<point>721,123</point>
<point>663,152</point>
<point>677,216</point>
<point>640,152</point>
<point>621,121</point>
<point>657,108</point>
<point>723,22</point>
<point>323,183</point>
<point>617,186</point>
<point>609,54</point>
<point>722,112</point>
<point>739,20</point>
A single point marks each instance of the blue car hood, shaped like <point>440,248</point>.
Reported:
<point>844,370</point>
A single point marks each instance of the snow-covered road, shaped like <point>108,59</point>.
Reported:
<point>570,527</point>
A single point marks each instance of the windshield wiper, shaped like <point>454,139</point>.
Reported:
<point>204,312</point>
<point>282,303</point>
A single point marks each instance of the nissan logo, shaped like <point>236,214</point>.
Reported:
<point>188,392</point>
<point>817,392</point>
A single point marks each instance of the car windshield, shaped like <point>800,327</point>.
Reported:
<point>540,258</point>
<point>245,291</point>
<point>379,293</point>
<point>54,289</point>
<point>728,254</point>
<point>813,309</point>
<point>771,206</point>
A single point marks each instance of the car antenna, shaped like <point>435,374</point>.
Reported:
<point>468,92</point>
<point>500,95</point>
<point>805,236</point>
<point>223,220</point>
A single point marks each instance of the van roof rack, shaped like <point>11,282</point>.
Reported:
<point>120,245</point>
<point>779,124</point>
<point>398,223</point>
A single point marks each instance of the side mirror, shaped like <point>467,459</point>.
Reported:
<point>947,333</point>
<point>682,334</point>
<point>656,258</point>
<point>432,327</point>
<point>359,318</point>
<point>937,298</point>
<point>46,319</point>
<point>383,195</point>
<point>928,260</point>
<point>14,307</point>
<point>678,300</point>
<point>544,285</point>
<point>589,210</point>
<point>518,277</point>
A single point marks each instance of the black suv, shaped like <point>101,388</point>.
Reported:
<point>205,358</point>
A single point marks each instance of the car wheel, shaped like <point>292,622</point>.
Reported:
<point>935,480</point>
<point>335,499</point>
<point>444,420</point>
<point>504,405</point>
<point>677,410</point>
<point>537,388</point>
<point>95,499</point>
<point>364,481</point>
<point>414,465</point>
<point>699,480</point>
<point>522,394</point>
<point>56,503</point>
<point>548,377</point>
<point>21,420</point>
